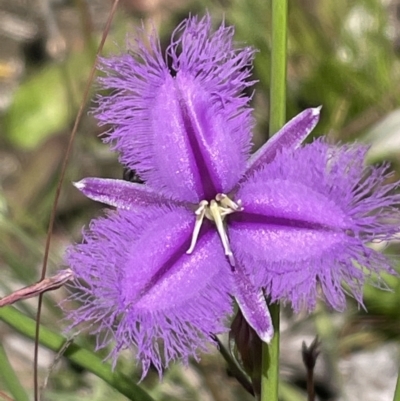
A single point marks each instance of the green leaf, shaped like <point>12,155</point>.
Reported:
<point>82,357</point>
<point>10,379</point>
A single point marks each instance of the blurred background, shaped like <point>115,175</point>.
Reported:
<point>344,55</point>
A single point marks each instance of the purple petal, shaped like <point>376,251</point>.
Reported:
<point>137,285</point>
<point>120,194</point>
<point>308,217</point>
<point>292,134</point>
<point>252,303</point>
<point>187,134</point>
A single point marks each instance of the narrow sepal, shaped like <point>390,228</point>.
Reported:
<point>251,302</point>
<point>292,134</point>
<point>121,194</point>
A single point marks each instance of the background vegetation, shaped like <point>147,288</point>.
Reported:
<point>344,55</point>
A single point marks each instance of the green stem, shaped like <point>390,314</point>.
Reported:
<point>270,353</point>
<point>277,116</point>
<point>82,357</point>
<point>397,391</point>
<point>270,361</point>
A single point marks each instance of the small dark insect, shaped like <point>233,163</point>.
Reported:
<point>131,175</point>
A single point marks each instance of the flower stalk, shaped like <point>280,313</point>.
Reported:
<point>397,391</point>
<point>270,352</point>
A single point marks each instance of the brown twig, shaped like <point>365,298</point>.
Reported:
<point>58,190</point>
<point>5,397</point>
<point>33,290</point>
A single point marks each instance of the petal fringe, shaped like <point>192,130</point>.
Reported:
<point>308,219</point>
<point>181,122</point>
<point>138,288</point>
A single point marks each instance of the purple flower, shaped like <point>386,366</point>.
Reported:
<point>211,224</point>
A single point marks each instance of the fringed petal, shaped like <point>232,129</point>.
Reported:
<point>187,131</point>
<point>307,220</point>
<point>140,289</point>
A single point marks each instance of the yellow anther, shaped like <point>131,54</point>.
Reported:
<point>202,206</point>
<point>227,203</point>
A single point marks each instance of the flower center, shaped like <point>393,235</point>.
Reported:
<point>216,211</point>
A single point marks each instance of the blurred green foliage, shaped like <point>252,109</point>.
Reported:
<point>42,105</point>
<point>343,55</point>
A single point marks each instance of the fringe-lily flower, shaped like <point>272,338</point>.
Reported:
<point>211,223</point>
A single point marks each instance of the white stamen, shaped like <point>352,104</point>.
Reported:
<point>200,213</point>
<point>216,212</point>
<point>217,217</point>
